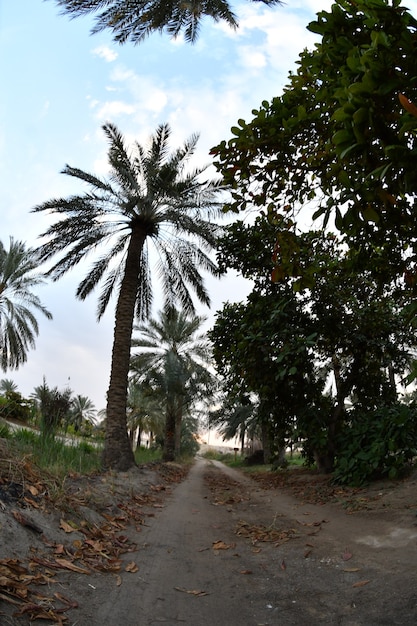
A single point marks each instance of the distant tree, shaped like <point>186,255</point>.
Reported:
<point>150,199</point>
<point>18,324</point>
<point>144,411</point>
<point>7,385</point>
<point>82,411</point>
<point>53,407</point>
<point>134,20</point>
<point>174,357</point>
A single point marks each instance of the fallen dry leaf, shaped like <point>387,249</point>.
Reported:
<point>131,567</point>
<point>118,580</point>
<point>221,545</point>
<point>246,571</point>
<point>351,569</point>
<point>283,565</point>
<point>361,583</point>
<point>71,566</point>
<point>192,592</point>
<point>68,528</point>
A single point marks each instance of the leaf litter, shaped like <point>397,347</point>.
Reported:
<point>93,546</point>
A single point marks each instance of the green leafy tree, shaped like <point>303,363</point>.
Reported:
<point>134,20</point>
<point>353,331</point>
<point>150,200</point>
<point>174,357</point>
<point>339,143</point>
<point>13,406</point>
<point>265,346</point>
<point>18,324</point>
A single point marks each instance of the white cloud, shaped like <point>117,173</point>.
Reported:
<point>113,109</point>
<point>106,53</point>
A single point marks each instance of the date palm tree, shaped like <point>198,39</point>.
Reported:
<point>151,212</point>
<point>82,411</point>
<point>134,20</point>
<point>174,357</point>
<point>18,324</point>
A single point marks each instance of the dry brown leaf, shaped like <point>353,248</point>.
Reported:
<point>361,583</point>
<point>72,604</point>
<point>71,566</point>
<point>132,567</point>
<point>33,490</point>
<point>26,521</point>
<point>246,571</point>
<point>193,592</point>
<point>283,565</point>
<point>221,545</point>
<point>118,580</point>
<point>68,528</point>
<point>351,569</point>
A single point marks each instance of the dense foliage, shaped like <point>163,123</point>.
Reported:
<point>339,146</point>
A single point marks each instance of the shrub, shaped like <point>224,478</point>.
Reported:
<point>381,443</point>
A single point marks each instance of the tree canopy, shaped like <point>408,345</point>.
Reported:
<point>18,304</point>
<point>340,142</point>
<point>134,20</point>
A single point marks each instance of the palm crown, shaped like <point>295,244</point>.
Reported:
<point>134,20</point>
<point>18,324</point>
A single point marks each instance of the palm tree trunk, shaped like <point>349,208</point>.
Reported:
<point>169,442</point>
<point>178,425</point>
<point>117,453</point>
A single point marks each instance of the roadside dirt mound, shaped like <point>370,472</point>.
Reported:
<point>50,531</point>
<point>384,496</point>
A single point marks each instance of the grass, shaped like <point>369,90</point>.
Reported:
<point>146,455</point>
<point>57,457</point>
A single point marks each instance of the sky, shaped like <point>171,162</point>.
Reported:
<point>59,85</point>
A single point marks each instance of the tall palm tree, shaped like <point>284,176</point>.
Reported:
<point>134,20</point>
<point>18,324</point>
<point>175,359</point>
<point>149,203</point>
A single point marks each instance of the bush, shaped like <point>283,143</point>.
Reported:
<point>14,407</point>
<point>378,444</point>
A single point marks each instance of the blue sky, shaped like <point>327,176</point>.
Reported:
<point>59,85</point>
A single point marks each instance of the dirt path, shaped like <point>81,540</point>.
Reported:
<point>222,551</point>
<point>225,552</point>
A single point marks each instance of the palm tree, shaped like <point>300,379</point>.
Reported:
<point>134,20</point>
<point>82,410</point>
<point>144,411</point>
<point>175,360</point>
<point>18,324</point>
<point>6,384</point>
<point>149,203</point>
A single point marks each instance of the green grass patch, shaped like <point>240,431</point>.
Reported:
<point>147,455</point>
<point>56,456</point>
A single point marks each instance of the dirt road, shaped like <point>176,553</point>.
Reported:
<point>224,552</point>
<point>217,549</point>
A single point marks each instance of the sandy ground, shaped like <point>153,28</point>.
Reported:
<point>215,547</point>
